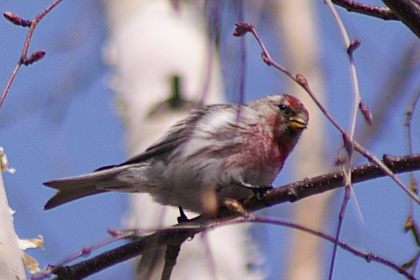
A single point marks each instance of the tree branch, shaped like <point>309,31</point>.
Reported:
<point>288,193</point>
<point>365,9</point>
<point>24,59</point>
<point>408,11</point>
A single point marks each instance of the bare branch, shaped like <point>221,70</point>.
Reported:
<point>366,255</point>
<point>351,46</point>
<point>408,11</point>
<point>24,59</point>
<point>365,9</point>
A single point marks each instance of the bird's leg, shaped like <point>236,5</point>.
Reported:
<point>182,217</point>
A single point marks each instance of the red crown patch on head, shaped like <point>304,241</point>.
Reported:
<point>293,101</point>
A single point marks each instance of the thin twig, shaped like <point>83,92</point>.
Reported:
<point>407,123</point>
<point>24,59</point>
<point>375,160</point>
<point>350,47</point>
<point>410,223</point>
<point>242,51</point>
<point>346,198</point>
<point>366,255</point>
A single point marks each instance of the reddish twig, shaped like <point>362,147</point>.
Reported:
<point>410,223</point>
<point>24,59</point>
<point>350,46</point>
<point>366,255</point>
<point>242,51</point>
<point>407,123</point>
<point>339,227</point>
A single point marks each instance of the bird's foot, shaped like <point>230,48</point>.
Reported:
<point>182,217</point>
<point>261,191</point>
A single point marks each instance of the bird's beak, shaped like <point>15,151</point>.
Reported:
<point>298,123</point>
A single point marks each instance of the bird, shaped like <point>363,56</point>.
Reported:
<point>218,152</point>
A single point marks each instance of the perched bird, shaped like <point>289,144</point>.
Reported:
<point>219,151</point>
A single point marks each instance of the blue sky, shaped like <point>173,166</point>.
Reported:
<point>59,120</point>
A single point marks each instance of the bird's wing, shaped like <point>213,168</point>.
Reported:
<point>173,139</point>
<point>218,121</point>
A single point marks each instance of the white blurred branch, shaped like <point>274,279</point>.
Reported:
<point>150,43</point>
<point>298,33</point>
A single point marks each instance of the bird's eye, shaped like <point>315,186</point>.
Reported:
<point>283,107</point>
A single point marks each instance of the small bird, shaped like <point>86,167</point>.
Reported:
<point>219,151</point>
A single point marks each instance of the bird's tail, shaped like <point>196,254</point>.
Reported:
<point>77,187</point>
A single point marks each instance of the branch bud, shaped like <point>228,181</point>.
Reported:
<point>367,114</point>
<point>38,55</point>
<point>242,28</point>
<point>17,20</point>
<point>353,46</point>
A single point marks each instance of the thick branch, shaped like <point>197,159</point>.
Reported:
<point>369,10</point>
<point>179,233</point>
<point>316,185</point>
<point>408,11</point>
<point>146,244</point>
